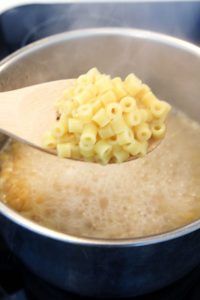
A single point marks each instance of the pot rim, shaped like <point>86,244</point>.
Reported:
<point>82,33</point>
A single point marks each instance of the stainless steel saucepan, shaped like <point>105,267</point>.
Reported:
<point>94,267</point>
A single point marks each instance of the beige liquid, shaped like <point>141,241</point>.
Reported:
<point>147,196</point>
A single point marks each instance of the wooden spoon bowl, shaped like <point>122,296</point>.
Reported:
<point>27,113</point>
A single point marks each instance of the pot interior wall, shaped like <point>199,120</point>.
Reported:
<point>172,72</point>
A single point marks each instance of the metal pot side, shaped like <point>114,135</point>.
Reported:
<point>107,268</point>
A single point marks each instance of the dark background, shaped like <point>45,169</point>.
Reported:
<point>20,26</point>
<point>24,24</point>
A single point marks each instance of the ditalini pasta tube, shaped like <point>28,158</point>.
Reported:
<point>103,119</point>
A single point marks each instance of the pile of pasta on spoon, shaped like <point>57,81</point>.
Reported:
<point>103,119</point>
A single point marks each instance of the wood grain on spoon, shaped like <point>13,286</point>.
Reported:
<point>27,113</point>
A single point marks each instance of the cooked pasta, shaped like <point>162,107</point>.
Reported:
<point>106,120</point>
<point>60,128</point>
<point>101,118</point>
<point>128,104</point>
<point>143,132</point>
<point>118,124</point>
<point>106,132</point>
<point>75,125</point>
<point>88,137</point>
<point>113,110</point>
<point>133,118</point>
<point>125,137</point>
<point>103,150</point>
<point>85,112</point>
<point>49,141</point>
<point>120,155</point>
<point>64,150</point>
<point>158,130</point>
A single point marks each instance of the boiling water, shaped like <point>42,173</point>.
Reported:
<point>147,196</point>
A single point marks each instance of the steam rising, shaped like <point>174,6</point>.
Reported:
<point>177,19</point>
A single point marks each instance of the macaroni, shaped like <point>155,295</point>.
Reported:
<point>49,141</point>
<point>133,118</point>
<point>64,150</point>
<point>125,137</point>
<point>158,130</point>
<point>60,129</point>
<point>75,151</point>
<point>106,132</point>
<point>143,132</point>
<point>128,104</point>
<point>118,124</point>
<point>132,84</point>
<point>159,109</point>
<point>120,155</point>
<point>119,88</point>
<point>106,120</point>
<point>103,150</point>
<point>113,110</point>
<point>75,125</point>
<point>86,153</point>
<point>101,117</point>
<point>108,97</point>
<point>133,148</point>
<point>88,136</point>
<point>85,112</point>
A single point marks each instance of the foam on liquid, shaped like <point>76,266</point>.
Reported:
<point>147,196</point>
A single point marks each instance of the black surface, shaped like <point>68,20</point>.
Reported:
<point>22,25</point>
<point>28,23</point>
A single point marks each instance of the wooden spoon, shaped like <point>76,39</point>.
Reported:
<point>27,113</point>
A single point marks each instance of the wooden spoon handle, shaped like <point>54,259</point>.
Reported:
<point>27,113</point>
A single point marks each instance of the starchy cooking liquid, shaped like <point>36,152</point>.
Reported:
<point>150,195</point>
